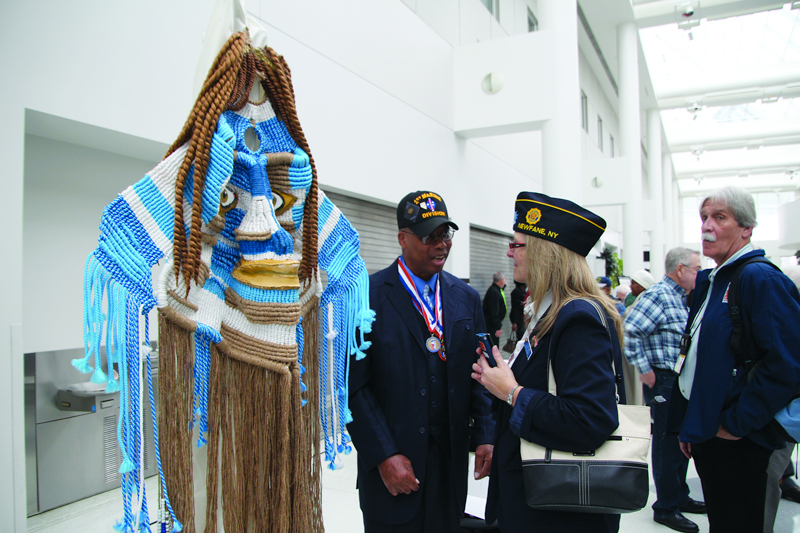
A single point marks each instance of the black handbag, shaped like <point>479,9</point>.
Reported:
<point>511,343</point>
<point>609,480</point>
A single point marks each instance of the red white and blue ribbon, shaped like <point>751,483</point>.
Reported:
<point>433,320</point>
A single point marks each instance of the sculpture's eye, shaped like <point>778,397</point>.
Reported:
<point>282,201</point>
<point>227,200</point>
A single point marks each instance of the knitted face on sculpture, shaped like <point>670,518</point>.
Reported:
<point>251,247</point>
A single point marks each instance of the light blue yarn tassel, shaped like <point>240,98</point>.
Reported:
<point>98,376</point>
<point>82,365</point>
<point>113,386</point>
<point>203,338</point>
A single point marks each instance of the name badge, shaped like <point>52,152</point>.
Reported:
<point>686,342</point>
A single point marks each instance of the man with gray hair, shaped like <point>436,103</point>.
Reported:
<point>494,306</point>
<point>653,329</point>
<point>725,400</point>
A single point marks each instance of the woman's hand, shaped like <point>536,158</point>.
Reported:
<point>498,380</point>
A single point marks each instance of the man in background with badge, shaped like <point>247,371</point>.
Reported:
<point>415,408</point>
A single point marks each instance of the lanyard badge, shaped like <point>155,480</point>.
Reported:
<point>686,342</point>
<point>433,320</point>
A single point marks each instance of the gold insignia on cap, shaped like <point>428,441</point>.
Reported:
<point>534,216</point>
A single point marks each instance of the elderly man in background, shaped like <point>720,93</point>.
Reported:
<point>653,330</point>
<point>622,293</point>
<point>727,398</point>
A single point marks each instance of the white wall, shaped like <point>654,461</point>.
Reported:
<point>66,188</point>
<point>598,106</point>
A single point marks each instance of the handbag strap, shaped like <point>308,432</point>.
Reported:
<point>551,380</point>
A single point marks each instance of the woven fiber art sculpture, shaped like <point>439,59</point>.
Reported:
<point>253,350</point>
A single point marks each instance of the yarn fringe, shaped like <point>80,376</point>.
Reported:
<point>268,472</point>
<point>175,390</point>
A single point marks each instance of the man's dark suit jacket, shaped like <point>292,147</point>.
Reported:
<point>494,310</point>
<point>390,391</point>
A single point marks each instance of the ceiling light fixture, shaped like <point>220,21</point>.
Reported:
<point>687,16</point>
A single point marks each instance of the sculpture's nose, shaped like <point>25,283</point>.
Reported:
<point>261,237</point>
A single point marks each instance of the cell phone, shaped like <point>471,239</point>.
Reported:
<point>485,340</point>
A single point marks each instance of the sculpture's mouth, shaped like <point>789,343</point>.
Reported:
<point>275,274</point>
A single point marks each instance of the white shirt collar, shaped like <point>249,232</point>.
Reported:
<point>747,248</point>
<point>547,301</point>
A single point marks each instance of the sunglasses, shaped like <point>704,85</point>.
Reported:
<point>513,245</point>
<point>445,236</point>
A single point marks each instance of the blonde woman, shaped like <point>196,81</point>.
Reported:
<point>552,237</point>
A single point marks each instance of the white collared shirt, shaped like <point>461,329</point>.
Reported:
<point>686,377</point>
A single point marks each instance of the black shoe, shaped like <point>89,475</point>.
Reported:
<point>791,493</point>
<point>678,522</point>
<point>694,506</point>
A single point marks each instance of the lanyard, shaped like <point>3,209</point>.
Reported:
<point>433,321</point>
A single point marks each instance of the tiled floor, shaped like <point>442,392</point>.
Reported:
<point>341,512</point>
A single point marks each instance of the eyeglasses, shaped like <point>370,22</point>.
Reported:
<point>513,245</point>
<point>444,236</point>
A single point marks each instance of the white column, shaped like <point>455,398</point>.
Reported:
<point>654,167</point>
<point>630,145</point>
<point>561,135</point>
<point>13,493</point>
<point>670,241</point>
<point>677,212</point>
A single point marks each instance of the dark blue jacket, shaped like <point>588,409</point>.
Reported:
<point>391,392</point>
<point>580,418</point>
<point>722,394</point>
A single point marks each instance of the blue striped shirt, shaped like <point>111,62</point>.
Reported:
<point>653,327</point>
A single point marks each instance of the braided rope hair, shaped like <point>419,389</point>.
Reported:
<point>227,87</point>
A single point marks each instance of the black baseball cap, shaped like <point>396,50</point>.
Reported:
<point>422,212</point>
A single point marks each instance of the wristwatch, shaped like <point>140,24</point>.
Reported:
<point>510,397</point>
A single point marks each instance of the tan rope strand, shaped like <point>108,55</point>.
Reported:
<point>205,135</point>
<point>213,472</point>
<point>175,382</point>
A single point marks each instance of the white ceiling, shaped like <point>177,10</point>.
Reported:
<point>729,88</point>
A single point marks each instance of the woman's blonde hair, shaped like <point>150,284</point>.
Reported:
<point>551,266</point>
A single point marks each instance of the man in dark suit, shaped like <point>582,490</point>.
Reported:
<point>494,306</point>
<point>413,403</point>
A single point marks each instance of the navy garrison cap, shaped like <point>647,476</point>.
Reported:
<point>558,220</point>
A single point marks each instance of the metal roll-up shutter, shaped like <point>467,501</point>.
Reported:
<point>377,229</point>
<point>487,255</point>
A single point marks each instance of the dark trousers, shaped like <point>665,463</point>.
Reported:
<point>669,463</point>
<point>734,478</point>
<point>438,512</point>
